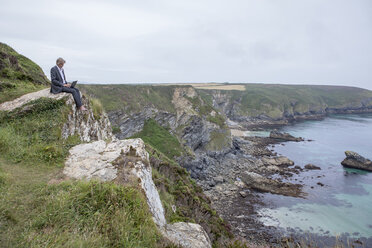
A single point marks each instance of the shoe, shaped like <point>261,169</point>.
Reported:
<point>82,108</point>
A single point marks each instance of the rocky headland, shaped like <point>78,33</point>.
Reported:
<point>210,125</point>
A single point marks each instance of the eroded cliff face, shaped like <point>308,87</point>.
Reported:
<point>83,124</point>
<point>127,162</point>
<point>189,122</point>
<point>270,113</point>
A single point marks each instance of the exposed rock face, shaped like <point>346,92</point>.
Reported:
<point>312,167</point>
<point>284,136</point>
<point>261,183</point>
<point>127,160</point>
<point>280,161</point>
<point>132,123</point>
<point>232,105</point>
<point>354,160</point>
<point>83,124</point>
<point>194,235</point>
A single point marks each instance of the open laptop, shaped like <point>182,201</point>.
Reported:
<point>73,84</point>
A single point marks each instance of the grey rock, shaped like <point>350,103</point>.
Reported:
<point>312,167</point>
<point>187,235</point>
<point>263,184</point>
<point>219,179</point>
<point>284,136</point>
<point>243,194</point>
<point>354,160</point>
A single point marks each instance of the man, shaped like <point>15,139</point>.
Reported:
<point>59,83</point>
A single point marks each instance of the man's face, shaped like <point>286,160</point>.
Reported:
<point>60,65</point>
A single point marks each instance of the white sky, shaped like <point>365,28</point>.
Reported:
<point>271,41</point>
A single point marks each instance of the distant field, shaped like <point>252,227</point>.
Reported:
<point>208,86</point>
<point>220,87</point>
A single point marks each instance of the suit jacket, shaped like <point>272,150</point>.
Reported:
<point>57,81</point>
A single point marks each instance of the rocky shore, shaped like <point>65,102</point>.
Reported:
<point>234,180</point>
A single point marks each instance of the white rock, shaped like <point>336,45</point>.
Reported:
<point>94,160</point>
<point>187,235</point>
<point>82,124</point>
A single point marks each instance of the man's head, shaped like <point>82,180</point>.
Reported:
<point>60,62</point>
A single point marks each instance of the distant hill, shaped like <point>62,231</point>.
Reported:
<point>266,101</point>
<point>18,74</point>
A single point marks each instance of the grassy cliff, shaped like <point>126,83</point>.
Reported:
<point>40,208</point>
<point>18,74</point>
<point>36,209</point>
<point>275,100</point>
<point>272,100</point>
<point>132,98</point>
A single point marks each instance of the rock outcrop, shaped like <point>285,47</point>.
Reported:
<point>127,161</point>
<point>261,183</point>
<point>83,124</point>
<point>354,160</point>
<point>312,167</point>
<point>280,161</point>
<point>284,136</point>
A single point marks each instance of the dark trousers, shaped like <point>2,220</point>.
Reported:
<point>75,93</point>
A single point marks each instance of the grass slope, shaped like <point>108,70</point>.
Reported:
<point>159,137</point>
<point>132,98</point>
<point>18,74</point>
<point>35,213</point>
<point>32,133</point>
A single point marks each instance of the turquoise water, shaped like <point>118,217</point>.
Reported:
<point>343,206</point>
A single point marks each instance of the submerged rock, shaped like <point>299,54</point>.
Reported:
<point>312,167</point>
<point>354,160</point>
<point>284,136</point>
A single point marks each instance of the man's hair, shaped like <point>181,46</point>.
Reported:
<point>60,61</point>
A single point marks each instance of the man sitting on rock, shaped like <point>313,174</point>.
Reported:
<point>59,83</point>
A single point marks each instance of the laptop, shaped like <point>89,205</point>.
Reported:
<point>73,84</point>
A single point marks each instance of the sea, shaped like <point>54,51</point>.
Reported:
<point>338,205</point>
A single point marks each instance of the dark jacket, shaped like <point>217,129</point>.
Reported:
<point>57,81</point>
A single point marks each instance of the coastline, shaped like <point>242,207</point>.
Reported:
<point>242,206</point>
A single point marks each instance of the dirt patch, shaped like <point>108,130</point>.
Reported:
<point>220,87</point>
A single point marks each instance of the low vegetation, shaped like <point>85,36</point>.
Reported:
<point>18,74</point>
<point>184,200</point>
<point>32,133</point>
<point>160,138</point>
<point>131,98</point>
<point>97,108</point>
<point>219,139</point>
<point>37,209</point>
<point>34,213</point>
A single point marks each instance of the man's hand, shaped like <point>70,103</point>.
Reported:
<point>68,85</point>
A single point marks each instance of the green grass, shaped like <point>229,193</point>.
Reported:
<point>72,213</point>
<point>160,138</point>
<point>131,98</point>
<point>32,133</point>
<point>217,119</point>
<point>219,139</point>
<point>14,66</point>
<point>97,108</point>
<point>11,89</point>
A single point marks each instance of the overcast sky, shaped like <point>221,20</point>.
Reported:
<point>271,41</point>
